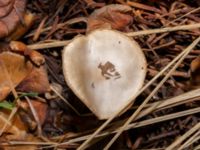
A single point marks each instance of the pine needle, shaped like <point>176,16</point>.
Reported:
<point>132,125</point>
<point>132,34</point>
<point>183,137</point>
<point>190,141</point>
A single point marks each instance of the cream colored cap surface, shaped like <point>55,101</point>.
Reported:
<point>105,69</point>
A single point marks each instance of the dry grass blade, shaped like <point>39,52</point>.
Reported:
<point>64,100</point>
<point>5,71</point>
<point>166,29</point>
<point>187,97</point>
<point>162,118</point>
<point>183,137</point>
<point>26,143</point>
<point>134,115</point>
<point>49,45</point>
<point>197,148</point>
<point>169,103</point>
<point>130,126</point>
<point>190,141</point>
<point>146,86</point>
<point>35,115</point>
<point>138,33</point>
<point>12,114</point>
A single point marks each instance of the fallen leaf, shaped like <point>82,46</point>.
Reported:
<point>40,108</point>
<point>36,81</point>
<point>15,128</point>
<point>22,28</point>
<point>22,68</point>
<point>11,13</point>
<point>113,16</point>
<point>15,131</point>
<point>17,69</point>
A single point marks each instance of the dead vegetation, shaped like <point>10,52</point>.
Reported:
<point>39,110</point>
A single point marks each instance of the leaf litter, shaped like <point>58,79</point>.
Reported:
<point>54,122</point>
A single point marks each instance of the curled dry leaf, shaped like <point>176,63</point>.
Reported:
<point>13,68</point>
<point>22,28</point>
<point>15,131</point>
<point>15,128</point>
<point>105,69</point>
<point>195,72</point>
<point>40,108</point>
<point>113,16</point>
<point>18,69</point>
<point>11,14</point>
<point>36,81</point>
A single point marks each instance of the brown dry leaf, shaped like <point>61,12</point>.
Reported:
<point>40,108</point>
<point>19,71</point>
<point>195,72</point>
<point>22,28</point>
<point>11,13</point>
<point>113,16</point>
<point>15,131</point>
<point>36,81</point>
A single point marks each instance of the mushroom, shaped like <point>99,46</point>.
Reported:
<point>105,69</point>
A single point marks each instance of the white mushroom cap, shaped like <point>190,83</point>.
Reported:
<point>105,69</point>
